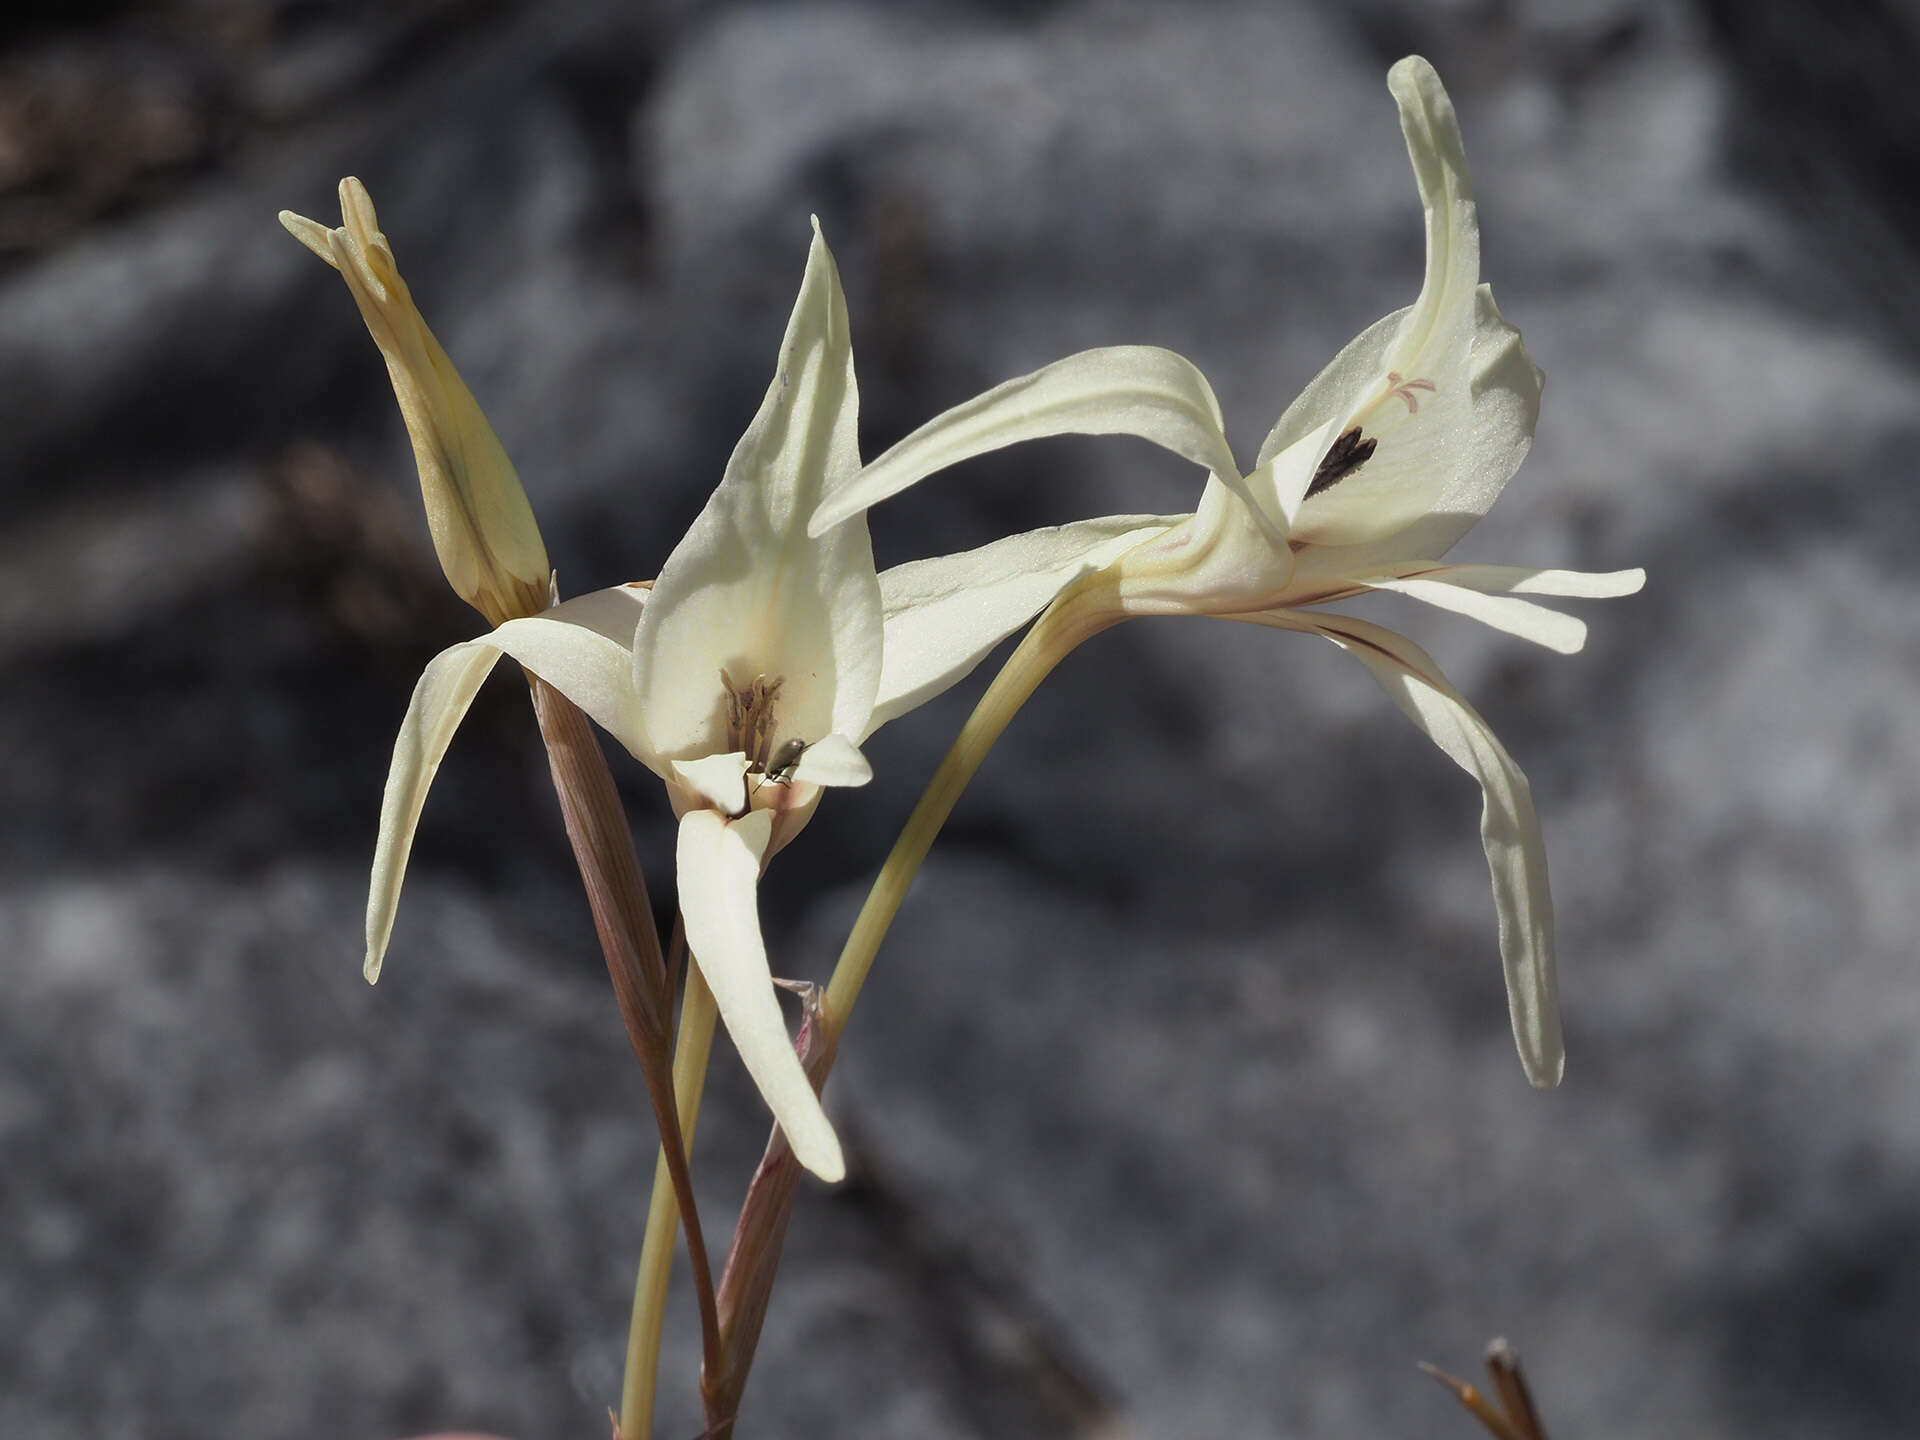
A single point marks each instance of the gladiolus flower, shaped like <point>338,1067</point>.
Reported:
<point>1386,459</point>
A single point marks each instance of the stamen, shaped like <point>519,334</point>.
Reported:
<point>1343,457</point>
<point>750,723</point>
<point>1405,388</point>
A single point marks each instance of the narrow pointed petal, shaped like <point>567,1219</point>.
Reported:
<point>719,865</point>
<point>946,613</point>
<point>1136,390</point>
<point>1563,633</point>
<point>747,590</point>
<point>832,760</point>
<point>310,233</point>
<point>1523,580</point>
<point>1509,829</point>
<point>440,701</point>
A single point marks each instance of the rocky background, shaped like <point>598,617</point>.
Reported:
<point>1182,1103</point>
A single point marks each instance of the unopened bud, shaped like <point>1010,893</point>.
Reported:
<point>483,528</point>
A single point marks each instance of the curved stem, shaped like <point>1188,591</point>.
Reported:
<point>596,826</point>
<point>1079,614</point>
<point>673,1160</point>
<point>695,1044</point>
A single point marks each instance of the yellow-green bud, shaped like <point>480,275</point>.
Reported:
<point>483,528</point>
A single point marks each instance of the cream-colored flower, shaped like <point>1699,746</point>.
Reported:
<point>1387,458</point>
<point>483,528</point>
<point>748,675</point>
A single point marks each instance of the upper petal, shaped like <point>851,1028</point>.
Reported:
<point>1441,397</point>
<point>440,700</point>
<point>944,614</point>
<point>1509,829</point>
<point>1120,390</point>
<point>719,868</point>
<point>748,590</point>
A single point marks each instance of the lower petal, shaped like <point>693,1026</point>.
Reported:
<point>1566,634</point>
<point>1509,829</point>
<point>440,701</point>
<point>1525,580</point>
<point>719,868</point>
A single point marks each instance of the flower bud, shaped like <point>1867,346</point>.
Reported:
<point>483,528</point>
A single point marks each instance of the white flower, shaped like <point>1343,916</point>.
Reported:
<point>749,673</point>
<point>1384,461</point>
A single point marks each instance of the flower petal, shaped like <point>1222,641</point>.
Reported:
<point>1120,390</point>
<point>719,780</point>
<point>613,612</point>
<point>747,591</point>
<point>831,760</point>
<point>440,700</point>
<point>1564,633</point>
<point>946,613</point>
<point>1509,829</point>
<point>1281,481</point>
<point>1524,580</point>
<point>592,670</point>
<point>312,234</point>
<point>719,865</point>
<point>1444,390</point>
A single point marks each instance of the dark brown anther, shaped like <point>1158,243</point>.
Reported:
<point>1343,457</point>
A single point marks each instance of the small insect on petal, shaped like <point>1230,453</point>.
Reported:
<point>783,761</point>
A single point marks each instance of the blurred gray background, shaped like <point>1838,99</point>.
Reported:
<point>1182,1102</point>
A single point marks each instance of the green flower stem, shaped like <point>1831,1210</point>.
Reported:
<point>694,1045</point>
<point>1077,615</point>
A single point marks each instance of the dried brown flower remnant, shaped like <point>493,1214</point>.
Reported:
<point>1510,1415</point>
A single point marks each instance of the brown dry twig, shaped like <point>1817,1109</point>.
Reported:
<point>1510,1414</point>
